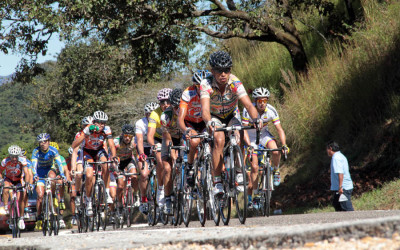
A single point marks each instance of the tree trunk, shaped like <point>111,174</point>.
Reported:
<point>299,58</point>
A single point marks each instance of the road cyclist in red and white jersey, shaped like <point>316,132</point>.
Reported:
<point>190,120</point>
<point>154,138</point>
<point>144,150</point>
<point>76,158</point>
<point>219,96</point>
<point>13,169</point>
<point>267,113</point>
<point>94,136</point>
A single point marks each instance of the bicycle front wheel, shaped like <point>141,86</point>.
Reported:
<point>15,230</point>
<point>212,200</point>
<point>187,200</point>
<point>201,184</point>
<point>240,190</point>
<point>129,206</point>
<point>102,208</point>
<point>268,192</point>
<point>176,204</point>
<point>151,201</point>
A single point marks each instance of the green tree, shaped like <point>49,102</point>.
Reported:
<point>159,33</point>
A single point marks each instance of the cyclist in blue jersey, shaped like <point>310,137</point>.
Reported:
<point>42,161</point>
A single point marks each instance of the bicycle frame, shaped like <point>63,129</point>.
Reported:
<point>14,209</point>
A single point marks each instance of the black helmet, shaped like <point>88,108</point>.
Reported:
<point>128,129</point>
<point>220,59</point>
<point>175,97</point>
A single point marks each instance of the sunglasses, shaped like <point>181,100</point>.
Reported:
<point>165,102</point>
<point>222,70</point>
<point>128,136</point>
<point>43,142</point>
<point>99,122</point>
<point>14,156</point>
<point>262,101</point>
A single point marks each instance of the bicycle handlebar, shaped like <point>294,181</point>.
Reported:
<point>271,150</point>
<point>50,179</point>
<point>233,128</point>
<point>99,162</point>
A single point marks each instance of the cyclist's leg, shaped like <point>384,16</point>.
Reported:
<point>6,193</point>
<point>217,152</point>
<point>131,168</point>
<point>143,178</point>
<point>253,174</point>
<point>21,201</point>
<point>40,194</point>
<point>167,164</point>
<point>120,189</point>
<point>102,156</point>
<point>78,177</point>
<point>276,155</point>
<point>89,182</point>
<point>160,167</point>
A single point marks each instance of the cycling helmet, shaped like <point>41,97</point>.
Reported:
<point>128,129</point>
<point>14,150</point>
<point>23,152</point>
<point>163,94</point>
<point>87,120</point>
<point>100,116</point>
<point>54,144</point>
<point>200,75</point>
<point>220,59</point>
<point>70,150</point>
<point>43,137</point>
<point>260,93</point>
<point>175,97</point>
<point>149,107</point>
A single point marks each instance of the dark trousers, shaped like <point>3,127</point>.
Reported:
<point>344,205</point>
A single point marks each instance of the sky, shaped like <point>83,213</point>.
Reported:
<point>10,61</point>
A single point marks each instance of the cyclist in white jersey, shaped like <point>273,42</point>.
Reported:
<point>267,113</point>
<point>144,150</point>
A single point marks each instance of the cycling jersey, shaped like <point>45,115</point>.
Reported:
<point>191,102</point>
<point>141,127</point>
<point>42,161</point>
<point>169,122</point>
<point>95,141</point>
<point>13,170</point>
<point>154,122</point>
<point>270,115</point>
<point>124,151</point>
<point>222,105</point>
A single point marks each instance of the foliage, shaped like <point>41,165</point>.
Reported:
<point>160,33</point>
<point>83,80</point>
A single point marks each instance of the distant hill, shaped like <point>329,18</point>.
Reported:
<point>4,79</point>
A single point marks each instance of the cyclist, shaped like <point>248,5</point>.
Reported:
<point>66,173</point>
<point>267,113</point>
<point>13,168</point>
<point>189,118</point>
<point>29,176</point>
<point>219,96</point>
<point>77,155</point>
<point>171,133</point>
<point>125,146</point>
<point>73,190</point>
<point>154,138</point>
<point>94,136</point>
<point>143,149</point>
<point>42,161</point>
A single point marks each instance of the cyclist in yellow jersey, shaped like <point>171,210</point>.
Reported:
<point>154,138</point>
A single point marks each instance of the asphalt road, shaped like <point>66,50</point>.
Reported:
<point>273,231</point>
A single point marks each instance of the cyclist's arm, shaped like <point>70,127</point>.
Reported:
<point>34,161</point>
<point>245,100</point>
<point>26,169</point>
<point>181,117</point>
<point>57,158</point>
<point>112,147</point>
<point>281,133</point>
<point>78,141</point>
<point>205,109</point>
<point>150,135</point>
<point>74,158</point>
<point>139,138</point>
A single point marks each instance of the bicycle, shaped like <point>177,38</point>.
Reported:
<point>50,223</point>
<point>203,181</point>
<point>265,184</point>
<point>99,199</point>
<point>179,184</point>
<point>79,206</point>
<point>14,210</point>
<point>234,188</point>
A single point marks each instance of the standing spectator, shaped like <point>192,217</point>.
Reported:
<point>341,182</point>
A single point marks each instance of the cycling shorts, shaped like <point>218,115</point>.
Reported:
<point>164,147</point>
<point>95,155</point>
<point>43,173</point>
<point>127,164</point>
<point>198,127</point>
<point>14,183</point>
<point>228,121</point>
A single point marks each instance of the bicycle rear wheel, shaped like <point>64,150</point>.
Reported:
<point>14,221</point>
<point>240,190</point>
<point>268,192</point>
<point>151,204</point>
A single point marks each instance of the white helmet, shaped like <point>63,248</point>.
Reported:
<point>87,120</point>
<point>260,93</point>
<point>14,150</point>
<point>163,94</point>
<point>149,107</point>
<point>100,116</point>
<point>70,150</point>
